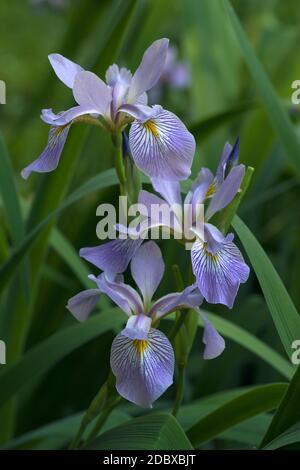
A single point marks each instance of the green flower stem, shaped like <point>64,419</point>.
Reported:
<point>180,387</point>
<point>119,164</point>
<point>180,315</point>
<point>101,421</point>
<point>98,405</point>
<point>177,325</point>
<point>4,250</point>
<point>182,348</point>
<point>177,277</point>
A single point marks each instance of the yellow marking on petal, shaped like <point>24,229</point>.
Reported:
<point>59,130</point>
<point>211,190</point>
<point>150,126</point>
<point>213,257</point>
<point>140,345</point>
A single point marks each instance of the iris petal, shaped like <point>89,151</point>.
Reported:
<point>66,117</point>
<point>112,257</point>
<point>149,70</point>
<point>190,297</point>
<point>219,275</point>
<point>226,191</point>
<point>169,190</point>
<point>90,90</point>
<point>82,304</point>
<point>214,343</point>
<point>49,158</point>
<point>65,69</point>
<point>147,269</point>
<point>162,147</point>
<point>143,368</point>
<point>120,293</point>
<point>137,327</point>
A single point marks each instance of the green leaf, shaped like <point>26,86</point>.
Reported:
<point>282,309</point>
<point>71,257</point>
<point>118,32</point>
<point>203,129</point>
<point>288,413</point>
<point>250,342</point>
<point>10,196</point>
<point>12,206</point>
<point>291,436</point>
<point>258,400</point>
<point>104,180</point>
<point>45,355</point>
<point>278,117</point>
<point>67,252</point>
<point>53,187</point>
<point>249,431</point>
<point>62,431</point>
<point>157,431</point>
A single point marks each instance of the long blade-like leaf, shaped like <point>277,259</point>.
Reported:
<point>10,197</point>
<point>46,354</point>
<point>288,413</point>
<point>276,113</point>
<point>253,344</point>
<point>291,436</point>
<point>157,431</point>
<point>12,206</point>
<point>282,309</point>
<point>104,180</point>
<point>258,400</point>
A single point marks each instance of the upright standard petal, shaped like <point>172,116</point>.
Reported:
<point>82,304</point>
<point>65,69</point>
<point>90,90</point>
<point>161,146</point>
<point>112,257</point>
<point>176,73</point>
<point>49,158</point>
<point>119,80</point>
<point>120,293</point>
<point>114,75</point>
<point>144,369</point>
<point>149,70</point>
<point>214,343</point>
<point>169,190</point>
<point>219,274</point>
<point>226,191</point>
<point>202,188</point>
<point>159,213</point>
<point>147,269</point>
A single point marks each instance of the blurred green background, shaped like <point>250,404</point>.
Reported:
<point>221,102</point>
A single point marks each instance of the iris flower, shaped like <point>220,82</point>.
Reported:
<point>217,263</point>
<point>160,143</point>
<point>175,73</point>
<point>142,357</point>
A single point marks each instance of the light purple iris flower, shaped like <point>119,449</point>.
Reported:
<point>142,357</point>
<point>160,143</point>
<point>176,73</point>
<point>217,263</point>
